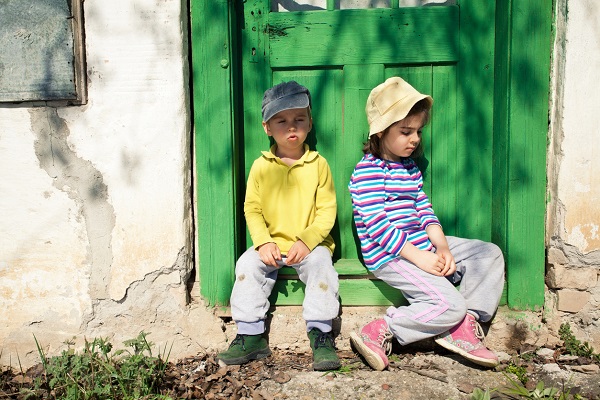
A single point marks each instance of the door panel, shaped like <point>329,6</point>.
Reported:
<point>340,56</point>
<point>334,38</point>
<point>488,72</point>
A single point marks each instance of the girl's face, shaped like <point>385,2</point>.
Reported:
<point>402,137</point>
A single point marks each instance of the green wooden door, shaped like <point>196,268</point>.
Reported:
<point>486,64</point>
<point>340,55</point>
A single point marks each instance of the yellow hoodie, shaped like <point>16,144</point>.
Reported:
<point>285,204</point>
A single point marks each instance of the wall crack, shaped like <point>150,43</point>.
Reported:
<point>84,184</point>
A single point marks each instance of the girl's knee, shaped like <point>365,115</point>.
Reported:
<point>494,250</point>
<point>456,312</point>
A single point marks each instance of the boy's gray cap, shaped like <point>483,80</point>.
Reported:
<point>284,96</point>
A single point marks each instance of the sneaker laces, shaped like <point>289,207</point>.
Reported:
<point>322,339</point>
<point>385,340</point>
<point>477,330</point>
<point>239,339</point>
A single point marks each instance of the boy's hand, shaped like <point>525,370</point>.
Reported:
<point>269,253</point>
<point>297,253</point>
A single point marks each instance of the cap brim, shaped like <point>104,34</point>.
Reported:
<point>297,100</point>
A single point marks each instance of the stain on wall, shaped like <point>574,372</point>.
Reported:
<point>84,185</point>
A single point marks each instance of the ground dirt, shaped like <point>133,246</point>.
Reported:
<point>414,375</point>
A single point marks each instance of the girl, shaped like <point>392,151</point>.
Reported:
<point>403,244</point>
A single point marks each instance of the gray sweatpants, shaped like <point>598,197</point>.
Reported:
<point>435,305</point>
<point>254,281</point>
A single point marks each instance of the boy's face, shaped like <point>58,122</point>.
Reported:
<point>289,128</point>
<point>402,137</point>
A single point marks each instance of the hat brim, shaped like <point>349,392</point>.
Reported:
<point>296,100</point>
<point>397,112</point>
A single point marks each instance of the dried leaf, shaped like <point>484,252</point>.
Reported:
<point>21,379</point>
<point>217,375</point>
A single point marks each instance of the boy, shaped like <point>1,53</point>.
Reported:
<point>290,207</point>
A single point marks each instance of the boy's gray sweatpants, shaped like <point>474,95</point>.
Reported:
<point>254,281</point>
<point>435,304</point>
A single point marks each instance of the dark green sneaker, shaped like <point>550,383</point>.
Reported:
<point>245,348</point>
<point>324,355</point>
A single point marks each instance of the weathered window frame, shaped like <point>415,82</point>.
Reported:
<point>56,90</point>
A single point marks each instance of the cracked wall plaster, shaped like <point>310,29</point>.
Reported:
<point>96,202</point>
<point>577,181</point>
<point>84,184</point>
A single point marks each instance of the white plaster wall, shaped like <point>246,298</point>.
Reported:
<point>95,220</point>
<point>573,217</point>
<point>95,200</point>
<point>577,137</point>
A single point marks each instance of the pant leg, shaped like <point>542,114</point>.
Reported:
<point>321,304</point>
<point>480,271</point>
<point>434,303</point>
<point>254,281</point>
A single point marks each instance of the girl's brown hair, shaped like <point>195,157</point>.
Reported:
<point>373,145</point>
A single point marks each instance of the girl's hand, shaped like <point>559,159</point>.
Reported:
<point>269,253</point>
<point>430,262</point>
<point>449,263</point>
<point>297,253</point>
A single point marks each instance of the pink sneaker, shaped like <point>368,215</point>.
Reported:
<point>374,342</point>
<point>465,339</point>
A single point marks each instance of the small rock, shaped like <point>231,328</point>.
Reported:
<point>546,353</point>
<point>587,369</point>
<point>281,377</point>
<point>567,357</point>
<point>465,387</point>
<point>385,386</point>
<point>503,357</point>
<point>552,367</point>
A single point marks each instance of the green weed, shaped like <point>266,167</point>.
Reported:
<point>521,392</point>
<point>574,346</point>
<point>98,373</point>
<point>517,390</point>
<point>479,394</point>
<point>519,371</point>
<point>345,369</point>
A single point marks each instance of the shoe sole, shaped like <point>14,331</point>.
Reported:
<point>370,356</point>
<point>256,355</point>
<point>477,360</point>
<point>327,366</point>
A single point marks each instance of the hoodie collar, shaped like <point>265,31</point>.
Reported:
<point>306,157</point>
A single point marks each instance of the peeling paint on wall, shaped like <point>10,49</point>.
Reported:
<point>96,234</point>
<point>84,185</point>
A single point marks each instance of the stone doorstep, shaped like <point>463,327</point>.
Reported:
<point>287,329</point>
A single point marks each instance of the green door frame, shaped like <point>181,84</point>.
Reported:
<point>521,93</point>
<point>521,84</point>
<point>214,143</point>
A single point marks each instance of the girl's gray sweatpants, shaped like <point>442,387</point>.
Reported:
<point>435,305</point>
<point>254,281</point>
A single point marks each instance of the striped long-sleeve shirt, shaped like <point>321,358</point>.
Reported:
<point>390,208</point>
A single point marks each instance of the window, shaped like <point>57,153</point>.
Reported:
<point>309,5</point>
<point>42,56</point>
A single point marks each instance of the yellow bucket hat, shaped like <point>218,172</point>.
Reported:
<point>390,102</point>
